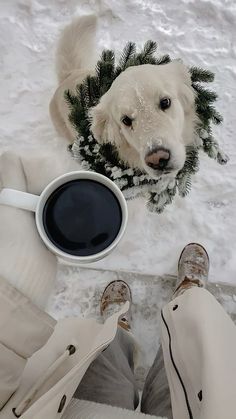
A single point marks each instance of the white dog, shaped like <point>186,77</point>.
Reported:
<point>148,113</point>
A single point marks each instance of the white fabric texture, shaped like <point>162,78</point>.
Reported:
<point>24,329</point>
<point>81,409</point>
<point>89,338</point>
<point>25,261</point>
<point>200,337</point>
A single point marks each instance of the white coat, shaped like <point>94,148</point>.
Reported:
<point>42,362</point>
<point>37,375</point>
<point>58,356</point>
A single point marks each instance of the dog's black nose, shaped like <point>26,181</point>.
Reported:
<point>158,159</point>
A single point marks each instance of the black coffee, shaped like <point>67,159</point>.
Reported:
<point>82,217</point>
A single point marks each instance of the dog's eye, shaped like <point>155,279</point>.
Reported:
<point>165,103</point>
<point>127,121</point>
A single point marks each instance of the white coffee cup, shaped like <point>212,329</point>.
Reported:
<point>36,204</point>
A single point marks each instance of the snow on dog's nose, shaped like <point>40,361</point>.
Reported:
<point>158,159</point>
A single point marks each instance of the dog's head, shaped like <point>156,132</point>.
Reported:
<point>149,114</point>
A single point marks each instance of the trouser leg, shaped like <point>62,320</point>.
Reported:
<point>110,378</point>
<point>156,393</point>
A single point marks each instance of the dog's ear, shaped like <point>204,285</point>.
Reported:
<point>186,93</point>
<point>98,118</point>
<point>103,126</point>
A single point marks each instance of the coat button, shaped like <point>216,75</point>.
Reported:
<point>71,349</point>
<point>62,404</point>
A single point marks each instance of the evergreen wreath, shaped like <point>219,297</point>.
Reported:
<point>104,158</point>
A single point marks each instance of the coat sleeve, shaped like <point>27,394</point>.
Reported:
<point>27,270</point>
<point>24,329</point>
<point>25,262</point>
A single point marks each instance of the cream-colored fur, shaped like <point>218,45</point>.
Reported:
<point>136,93</point>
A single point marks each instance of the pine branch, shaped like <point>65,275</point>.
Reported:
<point>184,184</point>
<point>158,202</point>
<point>210,147</point>
<point>165,59</point>
<point>151,60</point>
<point>217,118</point>
<point>108,56</point>
<point>201,75</point>
<point>204,95</point>
<point>207,114</point>
<point>149,48</point>
<point>82,93</point>
<point>94,90</point>
<point>146,54</point>
<point>71,99</point>
<point>127,54</point>
<point>105,71</point>
<point>191,164</point>
<point>222,158</point>
<point>110,153</point>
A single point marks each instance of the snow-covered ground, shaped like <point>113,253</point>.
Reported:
<point>200,32</point>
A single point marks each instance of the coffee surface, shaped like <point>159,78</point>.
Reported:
<point>82,217</point>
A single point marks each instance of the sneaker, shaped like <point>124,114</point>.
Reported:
<point>114,296</point>
<point>193,268</point>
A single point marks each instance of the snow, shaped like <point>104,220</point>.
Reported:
<point>202,33</point>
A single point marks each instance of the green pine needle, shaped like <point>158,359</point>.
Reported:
<point>165,59</point>
<point>71,99</point>
<point>184,184</point>
<point>201,75</point>
<point>204,95</point>
<point>127,54</point>
<point>149,48</point>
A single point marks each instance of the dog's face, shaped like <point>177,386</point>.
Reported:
<point>149,114</point>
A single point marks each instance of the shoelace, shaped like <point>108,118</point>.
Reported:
<point>29,397</point>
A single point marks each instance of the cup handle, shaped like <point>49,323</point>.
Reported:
<point>19,199</point>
